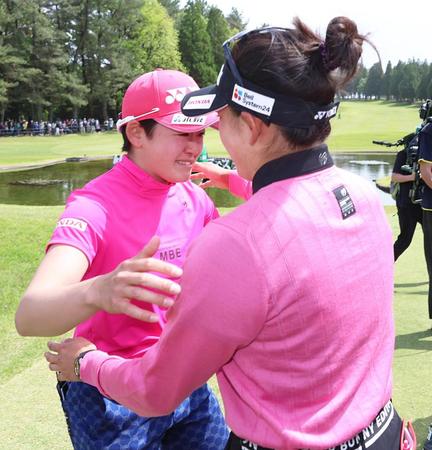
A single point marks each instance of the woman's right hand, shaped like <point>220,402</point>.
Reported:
<point>214,175</point>
<point>132,279</point>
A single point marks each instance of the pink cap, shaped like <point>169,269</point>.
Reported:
<point>157,95</point>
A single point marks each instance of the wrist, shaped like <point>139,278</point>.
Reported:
<point>93,293</point>
<point>78,360</point>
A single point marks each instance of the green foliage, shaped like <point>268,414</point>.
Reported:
<point>195,44</point>
<point>386,81</point>
<point>217,28</point>
<point>156,42</point>
<point>69,58</point>
<point>172,7</point>
<point>235,21</point>
<point>373,86</point>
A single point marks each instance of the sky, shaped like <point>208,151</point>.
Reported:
<point>401,30</point>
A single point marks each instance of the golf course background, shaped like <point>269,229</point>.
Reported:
<point>30,415</point>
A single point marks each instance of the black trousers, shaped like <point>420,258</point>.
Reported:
<point>427,243</point>
<point>408,216</point>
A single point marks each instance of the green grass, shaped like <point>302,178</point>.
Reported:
<point>362,122</point>
<point>39,149</point>
<point>359,124</point>
<point>30,415</point>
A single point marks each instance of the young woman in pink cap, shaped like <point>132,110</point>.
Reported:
<point>101,255</point>
<point>289,297</point>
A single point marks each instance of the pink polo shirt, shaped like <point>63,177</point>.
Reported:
<point>111,219</point>
<point>291,305</point>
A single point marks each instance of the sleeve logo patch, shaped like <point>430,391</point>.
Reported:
<point>252,100</point>
<point>72,223</point>
<point>200,102</point>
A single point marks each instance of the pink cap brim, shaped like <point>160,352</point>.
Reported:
<point>184,124</point>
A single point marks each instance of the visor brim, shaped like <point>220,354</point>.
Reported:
<point>203,101</point>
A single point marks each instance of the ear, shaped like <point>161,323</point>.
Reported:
<point>254,125</point>
<point>136,134</point>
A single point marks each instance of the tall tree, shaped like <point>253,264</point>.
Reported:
<point>425,79</point>
<point>217,28</point>
<point>11,63</point>
<point>356,86</point>
<point>156,42</point>
<point>396,78</point>
<point>35,41</point>
<point>195,45</point>
<point>373,86</point>
<point>98,49</point>
<point>172,7</point>
<point>235,21</point>
<point>386,80</point>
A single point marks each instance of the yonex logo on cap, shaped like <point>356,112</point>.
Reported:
<point>176,95</point>
<point>252,100</point>
<point>180,119</point>
<point>326,114</point>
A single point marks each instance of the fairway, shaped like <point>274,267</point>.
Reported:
<point>360,122</point>
<point>30,413</point>
<point>31,417</point>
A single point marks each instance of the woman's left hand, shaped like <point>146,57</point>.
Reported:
<point>62,355</point>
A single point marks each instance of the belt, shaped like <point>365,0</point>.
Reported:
<point>363,440</point>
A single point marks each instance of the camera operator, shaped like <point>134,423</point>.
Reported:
<point>425,160</point>
<point>409,213</point>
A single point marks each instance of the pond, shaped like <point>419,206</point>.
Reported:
<point>51,185</point>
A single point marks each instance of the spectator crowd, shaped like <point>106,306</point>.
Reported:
<point>56,128</point>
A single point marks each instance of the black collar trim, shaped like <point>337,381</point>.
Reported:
<point>292,165</point>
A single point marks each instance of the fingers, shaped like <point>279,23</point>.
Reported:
<point>207,184</point>
<point>197,176</point>
<point>140,314</point>
<point>144,280</point>
<point>143,264</point>
<point>150,248</point>
<point>54,346</point>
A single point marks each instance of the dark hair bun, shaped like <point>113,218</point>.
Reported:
<point>343,47</point>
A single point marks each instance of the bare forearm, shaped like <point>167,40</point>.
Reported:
<point>54,310</point>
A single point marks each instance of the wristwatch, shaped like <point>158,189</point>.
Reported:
<point>77,362</point>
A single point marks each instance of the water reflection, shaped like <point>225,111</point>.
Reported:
<point>51,185</point>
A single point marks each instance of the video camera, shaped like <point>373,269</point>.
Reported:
<point>410,143</point>
<point>425,112</point>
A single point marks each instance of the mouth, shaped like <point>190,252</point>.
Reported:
<point>185,163</point>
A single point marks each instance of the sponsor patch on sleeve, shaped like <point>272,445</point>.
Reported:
<point>346,205</point>
<point>200,102</point>
<point>77,224</point>
<point>180,119</point>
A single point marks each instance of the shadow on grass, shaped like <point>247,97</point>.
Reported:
<point>402,285</point>
<point>421,428</point>
<point>415,341</point>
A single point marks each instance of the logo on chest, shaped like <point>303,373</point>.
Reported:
<point>170,254</point>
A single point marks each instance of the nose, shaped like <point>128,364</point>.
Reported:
<point>195,143</point>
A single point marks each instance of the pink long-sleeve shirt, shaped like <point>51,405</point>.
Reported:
<point>291,305</point>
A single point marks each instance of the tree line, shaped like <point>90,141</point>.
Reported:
<point>75,58</point>
<point>405,82</point>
